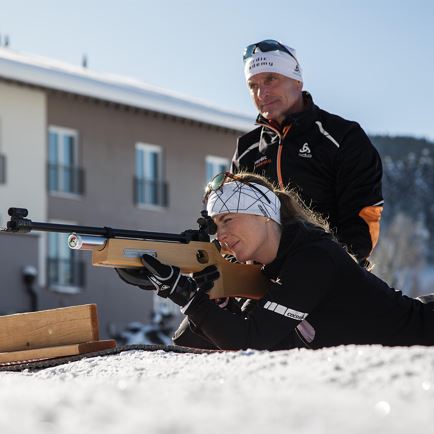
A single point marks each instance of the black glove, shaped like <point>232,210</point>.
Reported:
<point>205,278</point>
<point>167,280</point>
<point>136,276</point>
<point>366,263</point>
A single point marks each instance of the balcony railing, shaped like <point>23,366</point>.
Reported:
<point>65,272</point>
<point>150,192</point>
<point>2,169</point>
<point>65,179</point>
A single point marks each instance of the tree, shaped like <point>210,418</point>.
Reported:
<point>401,253</point>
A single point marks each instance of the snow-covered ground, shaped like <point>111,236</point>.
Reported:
<point>365,389</point>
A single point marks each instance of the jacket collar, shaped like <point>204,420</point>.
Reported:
<point>294,123</point>
<point>294,236</point>
<point>289,241</point>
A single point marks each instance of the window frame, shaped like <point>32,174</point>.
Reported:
<point>157,149</point>
<point>3,159</point>
<point>62,132</point>
<point>3,162</point>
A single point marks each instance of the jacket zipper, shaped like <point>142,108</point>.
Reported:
<point>286,130</point>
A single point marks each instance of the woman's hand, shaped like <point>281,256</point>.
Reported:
<point>168,281</point>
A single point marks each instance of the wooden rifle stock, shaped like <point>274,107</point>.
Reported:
<point>236,280</point>
<point>191,251</point>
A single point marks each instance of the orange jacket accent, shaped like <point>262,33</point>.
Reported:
<point>372,216</point>
<point>279,157</point>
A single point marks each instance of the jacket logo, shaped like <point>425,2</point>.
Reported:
<point>305,152</point>
<point>262,162</point>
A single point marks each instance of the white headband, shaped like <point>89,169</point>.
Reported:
<point>238,197</point>
<point>273,61</point>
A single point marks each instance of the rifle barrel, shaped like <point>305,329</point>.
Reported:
<point>19,223</point>
<point>107,232</point>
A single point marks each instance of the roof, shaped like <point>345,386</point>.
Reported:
<point>53,74</point>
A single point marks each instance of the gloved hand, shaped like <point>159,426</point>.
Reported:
<point>135,276</point>
<point>205,278</point>
<point>168,281</point>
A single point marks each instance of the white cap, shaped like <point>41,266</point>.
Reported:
<point>277,61</point>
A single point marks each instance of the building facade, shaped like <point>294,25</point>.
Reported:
<point>83,148</point>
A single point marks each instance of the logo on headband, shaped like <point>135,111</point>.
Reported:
<point>260,61</point>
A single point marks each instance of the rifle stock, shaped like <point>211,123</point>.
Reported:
<point>236,280</point>
<point>119,248</point>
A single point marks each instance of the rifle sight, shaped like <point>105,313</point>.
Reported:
<point>18,212</point>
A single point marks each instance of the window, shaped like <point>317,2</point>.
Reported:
<point>2,158</point>
<point>2,169</point>
<point>64,175</point>
<point>149,187</point>
<point>215,165</point>
<point>65,273</point>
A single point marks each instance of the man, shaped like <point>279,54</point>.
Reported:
<point>330,161</point>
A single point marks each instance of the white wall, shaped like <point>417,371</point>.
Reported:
<point>23,130</point>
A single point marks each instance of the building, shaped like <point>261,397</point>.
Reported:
<point>86,148</point>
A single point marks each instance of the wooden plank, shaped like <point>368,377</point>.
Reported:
<point>49,328</point>
<point>60,351</point>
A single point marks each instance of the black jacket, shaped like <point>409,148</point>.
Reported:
<point>320,297</point>
<point>329,160</point>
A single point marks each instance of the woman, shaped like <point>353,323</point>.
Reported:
<point>319,296</point>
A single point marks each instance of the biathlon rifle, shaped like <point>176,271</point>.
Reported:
<point>190,250</point>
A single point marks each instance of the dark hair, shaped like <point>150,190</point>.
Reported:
<point>292,207</point>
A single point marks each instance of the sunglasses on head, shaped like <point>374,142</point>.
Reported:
<point>219,180</point>
<point>265,46</point>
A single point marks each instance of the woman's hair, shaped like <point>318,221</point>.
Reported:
<point>292,208</point>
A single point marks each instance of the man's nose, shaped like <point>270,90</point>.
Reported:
<point>262,92</point>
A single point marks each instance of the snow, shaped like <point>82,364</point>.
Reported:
<point>53,74</point>
<point>352,389</point>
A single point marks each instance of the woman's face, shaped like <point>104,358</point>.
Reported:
<point>243,235</point>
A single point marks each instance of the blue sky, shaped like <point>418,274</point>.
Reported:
<point>370,61</point>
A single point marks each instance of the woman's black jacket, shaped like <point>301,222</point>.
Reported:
<point>319,297</point>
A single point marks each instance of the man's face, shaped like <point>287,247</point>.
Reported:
<point>275,95</point>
